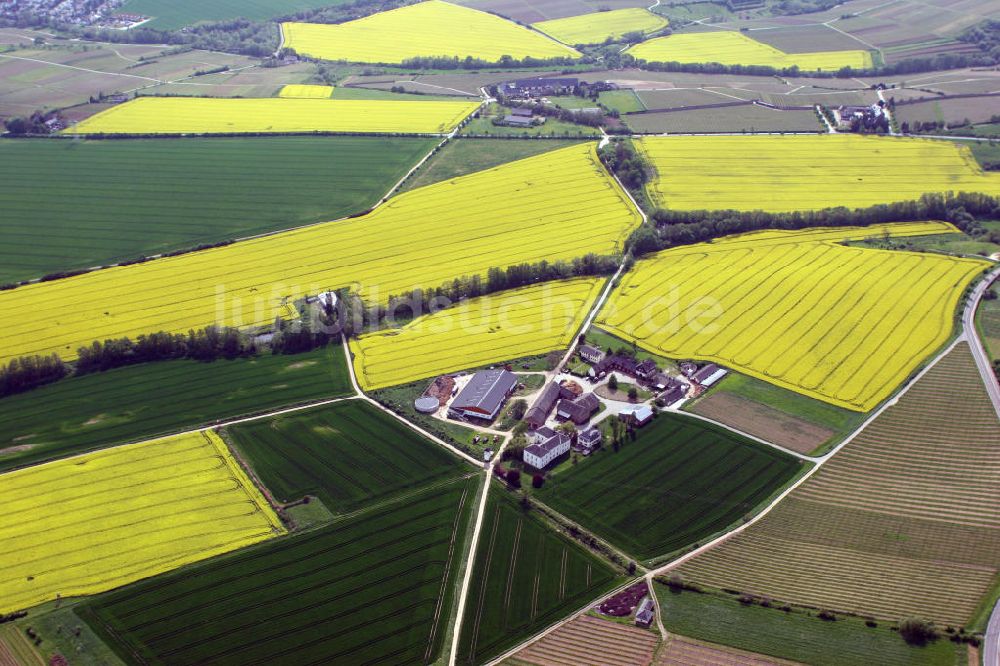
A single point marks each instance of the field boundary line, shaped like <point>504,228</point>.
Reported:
<point>800,456</point>
<point>359,394</point>
<point>82,69</point>
<point>819,461</point>
<point>473,547</point>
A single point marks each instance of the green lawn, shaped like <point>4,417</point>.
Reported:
<point>376,588</point>
<point>340,92</point>
<point>346,454</point>
<point>954,244</point>
<point>174,14</point>
<point>623,101</point>
<point>463,156</point>
<point>72,204</point>
<point>986,152</point>
<point>573,102</point>
<point>720,618</point>
<point>85,413</point>
<point>525,577</point>
<point>823,414</point>
<point>679,482</point>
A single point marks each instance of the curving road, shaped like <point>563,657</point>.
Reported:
<point>975,344</point>
<point>991,643</point>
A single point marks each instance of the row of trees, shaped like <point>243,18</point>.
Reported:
<point>672,227</point>
<point>206,344</point>
<point>29,372</point>
<point>423,300</point>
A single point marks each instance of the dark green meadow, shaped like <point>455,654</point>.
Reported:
<point>372,589</point>
<point>71,204</point>
<point>525,577</point>
<point>140,401</point>
<point>680,481</point>
<point>347,454</point>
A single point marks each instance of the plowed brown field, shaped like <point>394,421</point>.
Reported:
<point>590,640</point>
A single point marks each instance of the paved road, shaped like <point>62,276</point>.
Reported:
<point>975,344</point>
<point>991,643</point>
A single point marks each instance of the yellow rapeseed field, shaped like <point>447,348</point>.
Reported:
<point>98,521</point>
<point>786,173</point>
<point>735,48</point>
<point>304,91</point>
<point>558,205</point>
<point>207,115</point>
<point>595,28</point>
<point>500,327</point>
<point>797,308</point>
<point>427,29</point>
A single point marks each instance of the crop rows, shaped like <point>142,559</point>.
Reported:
<point>427,29</point>
<point>786,173</point>
<point>364,591</point>
<point>588,639</point>
<point>677,483</point>
<point>346,453</point>
<point>886,528</point>
<point>596,27</point>
<point>214,115</point>
<point>735,48</point>
<point>480,331</point>
<point>107,201</point>
<point>559,205</point>
<point>524,578</point>
<point>842,324</point>
<point>137,402</point>
<point>105,519</point>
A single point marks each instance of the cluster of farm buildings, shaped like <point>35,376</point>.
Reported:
<point>522,93</point>
<point>563,400</point>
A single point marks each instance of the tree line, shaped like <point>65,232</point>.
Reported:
<point>670,228</point>
<point>207,344</point>
<point>623,161</point>
<point>355,315</point>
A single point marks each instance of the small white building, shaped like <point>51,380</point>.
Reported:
<point>588,440</point>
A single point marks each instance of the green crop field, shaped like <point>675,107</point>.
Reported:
<point>84,413</point>
<point>105,201</point>
<point>347,454</point>
<point>525,577</point>
<point>462,156</point>
<point>623,101</point>
<point>174,14</point>
<point>678,482</point>
<point>796,635</point>
<point>372,589</point>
